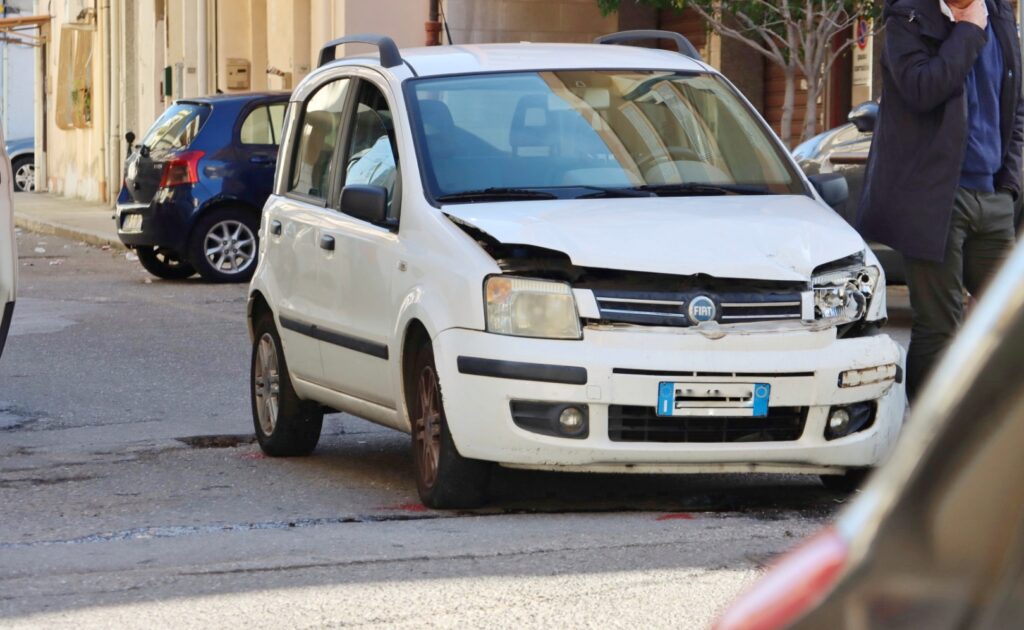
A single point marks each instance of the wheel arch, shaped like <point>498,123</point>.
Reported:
<point>214,205</point>
<point>415,337</point>
<point>256,305</point>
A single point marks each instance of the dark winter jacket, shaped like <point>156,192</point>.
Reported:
<point>920,137</point>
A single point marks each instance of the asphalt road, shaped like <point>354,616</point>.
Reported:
<point>133,495</point>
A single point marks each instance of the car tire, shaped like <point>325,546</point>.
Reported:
<point>24,169</point>
<point>444,478</point>
<point>848,482</point>
<point>286,425</point>
<point>225,245</point>
<point>164,264</point>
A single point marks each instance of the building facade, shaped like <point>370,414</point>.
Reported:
<point>107,67</point>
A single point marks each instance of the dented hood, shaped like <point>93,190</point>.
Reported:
<point>758,237</point>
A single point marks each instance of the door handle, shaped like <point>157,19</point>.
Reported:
<point>275,227</point>
<point>261,159</point>
<point>327,242</point>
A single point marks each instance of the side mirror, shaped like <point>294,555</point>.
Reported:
<point>833,190</point>
<point>130,139</point>
<point>864,116</point>
<point>369,203</point>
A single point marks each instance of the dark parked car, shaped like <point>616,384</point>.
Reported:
<point>936,538</point>
<point>844,150</point>
<point>23,163</point>
<point>194,188</point>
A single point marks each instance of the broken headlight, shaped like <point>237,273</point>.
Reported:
<point>525,307</point>
<point>842,295</point>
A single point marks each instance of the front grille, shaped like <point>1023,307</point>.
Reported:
<point>643,424</point>
<point>660,308</point>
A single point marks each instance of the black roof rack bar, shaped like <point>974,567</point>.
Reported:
<point>683,45</point>
<point>389,55</point>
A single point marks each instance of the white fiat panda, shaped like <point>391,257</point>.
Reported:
<point>8,247</point>
<point>562,257</point>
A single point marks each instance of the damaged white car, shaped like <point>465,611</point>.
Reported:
<point>563,257</point>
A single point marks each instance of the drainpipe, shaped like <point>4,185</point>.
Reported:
<point>102,17</point>
<point>433,24</point>
<point>113,21</point>
<point>201,59</point>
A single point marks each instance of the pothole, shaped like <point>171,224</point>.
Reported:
<point>217,441</point>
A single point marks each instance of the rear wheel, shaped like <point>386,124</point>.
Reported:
<point>286,426</point>
<point>24,169</point>
<point>848,482</point>
<point>444,478</point>
<point>164,263</point>
<point>224,245</point>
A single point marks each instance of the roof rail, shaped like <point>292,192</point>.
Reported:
<point>389,55</point>
<point>683,45</point>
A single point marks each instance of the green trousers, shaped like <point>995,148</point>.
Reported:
<point>981,235</point>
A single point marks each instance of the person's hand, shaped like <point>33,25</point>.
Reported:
<point>973,13</point>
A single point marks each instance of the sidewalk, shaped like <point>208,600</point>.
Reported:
<point>70,218</point>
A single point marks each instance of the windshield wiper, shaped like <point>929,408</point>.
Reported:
<point>498,194</point>
<point>610,191</point>
<point>692,188</point>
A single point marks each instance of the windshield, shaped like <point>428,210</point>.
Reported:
<point>177,127</point>
<point>580,129</point>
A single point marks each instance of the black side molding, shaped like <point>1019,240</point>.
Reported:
<point>517,371</point>
<point>357,344</point>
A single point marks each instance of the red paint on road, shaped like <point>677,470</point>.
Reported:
<point>675,516</point>
<point>407,507</point>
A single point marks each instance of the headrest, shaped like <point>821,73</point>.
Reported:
<point>436,116</point>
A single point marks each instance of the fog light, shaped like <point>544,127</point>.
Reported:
<point>839,422</point>
<point>563,420</point>
<point>849,419</point>
<point>571,420</point>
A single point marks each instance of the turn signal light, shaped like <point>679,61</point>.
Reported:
<point>182,169</point>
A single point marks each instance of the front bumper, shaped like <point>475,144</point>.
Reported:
<point>625,367</point>
<point>165,221</point>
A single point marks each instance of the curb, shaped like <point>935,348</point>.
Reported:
<point>41,226</point>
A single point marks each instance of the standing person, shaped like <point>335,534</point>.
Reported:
<point>945,165</point>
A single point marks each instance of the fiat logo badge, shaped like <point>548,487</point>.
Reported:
<point>701,309</point>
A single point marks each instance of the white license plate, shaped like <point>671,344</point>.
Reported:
<point>131,223</point>
<point>713,399</point>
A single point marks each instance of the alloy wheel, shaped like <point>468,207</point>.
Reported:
<point>428,426</point>
<point>267,384</point>
<point>230,246</point>
<point>25,177</point>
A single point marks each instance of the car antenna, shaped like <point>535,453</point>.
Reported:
<point>444,20</point>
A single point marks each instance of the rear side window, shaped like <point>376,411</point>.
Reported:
<point>312,163</point>
<point>177,127</point>
<point>263,125</point>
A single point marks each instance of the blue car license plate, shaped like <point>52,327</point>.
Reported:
<point>713,399</point>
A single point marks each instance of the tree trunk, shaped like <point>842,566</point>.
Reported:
<point>788,103</point>
<point>811,114</point>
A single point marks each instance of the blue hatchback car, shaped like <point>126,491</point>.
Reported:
<point>194,188</point>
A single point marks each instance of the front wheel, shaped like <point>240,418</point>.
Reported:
<point>286,426</point>
<point>163,263</point>
<point>225,246</point>
<point>444,478</point>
